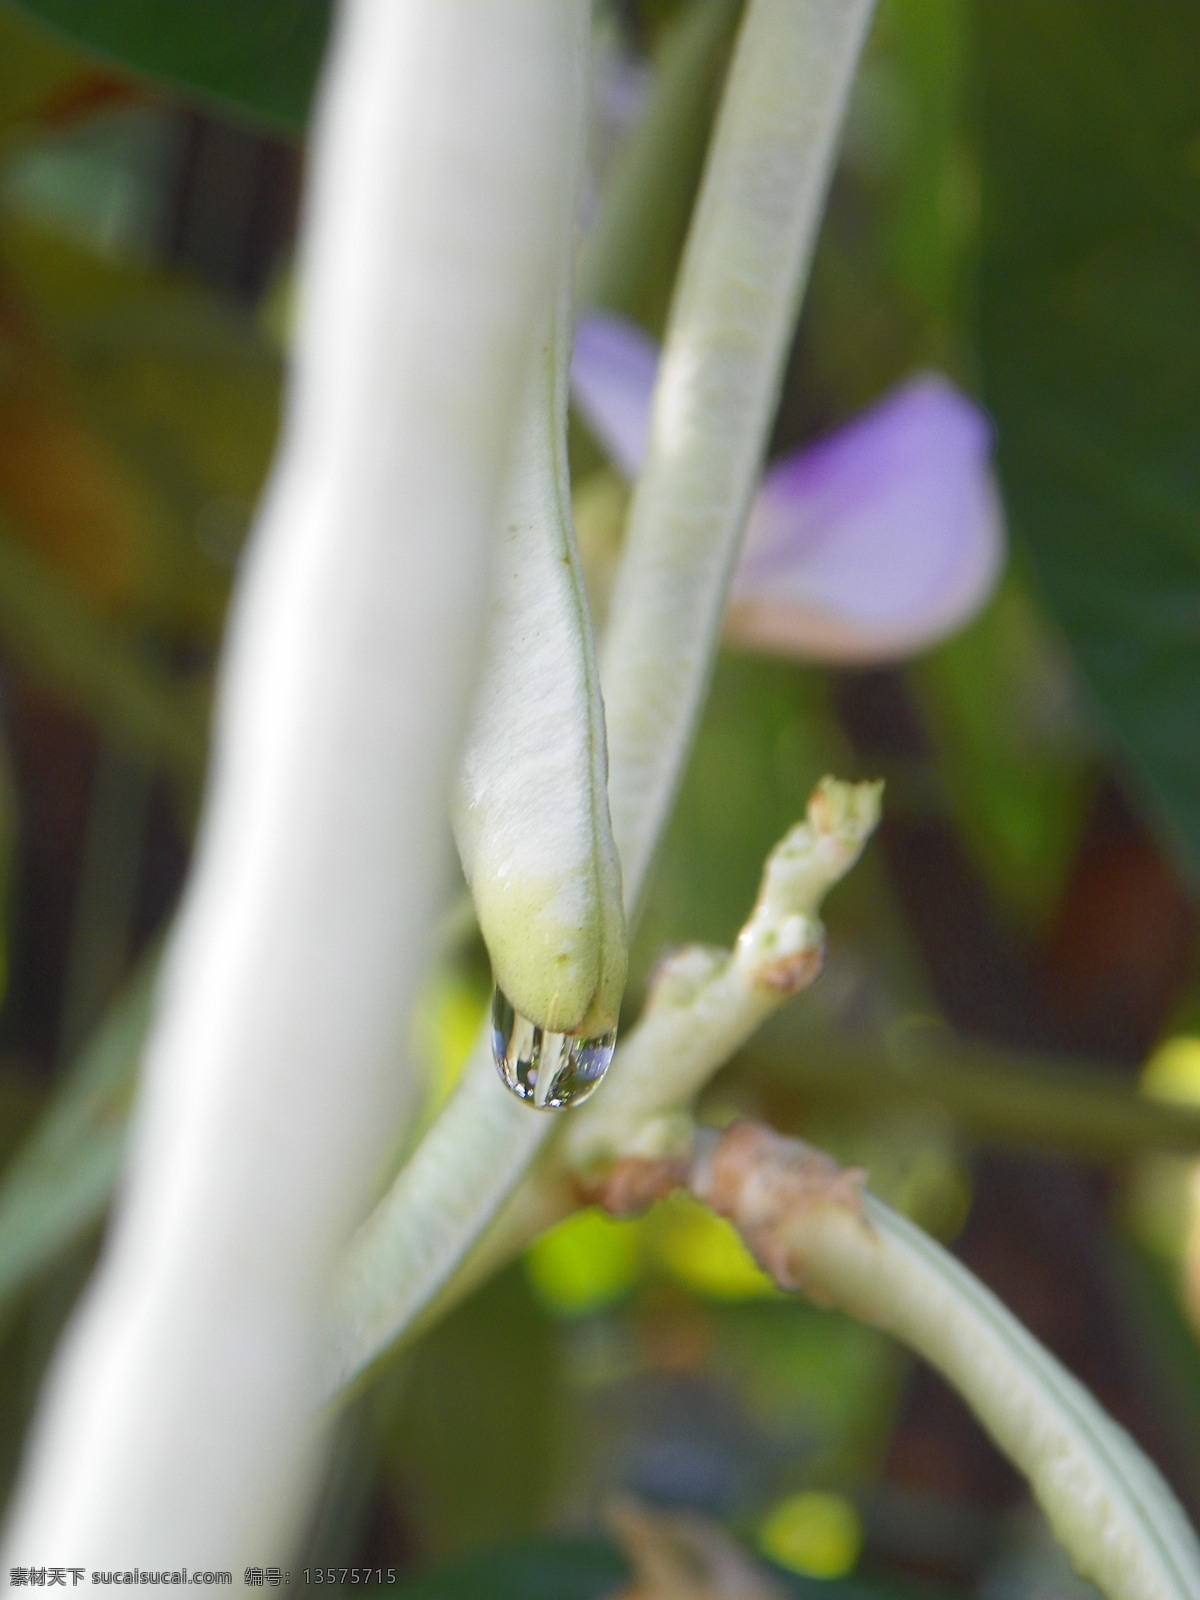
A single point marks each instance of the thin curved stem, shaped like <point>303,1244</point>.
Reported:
<point>629,257</point>
<point>706,1003</point>
<point>446,1196</point>
<point>813,1229</point>
<point>991,1094</point>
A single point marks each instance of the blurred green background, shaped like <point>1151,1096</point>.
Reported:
<point>1008,1032</point>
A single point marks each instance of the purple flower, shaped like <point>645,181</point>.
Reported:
<point>869,545</point>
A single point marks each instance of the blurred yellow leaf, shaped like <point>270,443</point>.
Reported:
<point>704,1252</point>
<point>585,1263</point>
<point>816,1534</point>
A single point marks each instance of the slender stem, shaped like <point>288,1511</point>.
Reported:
<point>813,1229</point>
<point>181,1425</point>
<point>706,1003</point>
<point>62,1181</point>
<point>444,1199</point>
<point>731,319</point>
<point>629,259</point>
<point>994,1095</point>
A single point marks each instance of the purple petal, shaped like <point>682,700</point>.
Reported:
<point>868,546</point>
<point>880,539</point>
<point>613,368</point>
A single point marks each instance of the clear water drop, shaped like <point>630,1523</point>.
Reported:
<point>550,1070</point>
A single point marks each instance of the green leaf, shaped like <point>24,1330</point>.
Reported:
<point>1090,328</point>
<point>261,59</point>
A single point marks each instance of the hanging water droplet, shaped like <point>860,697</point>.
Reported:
<point>551,1070</point>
